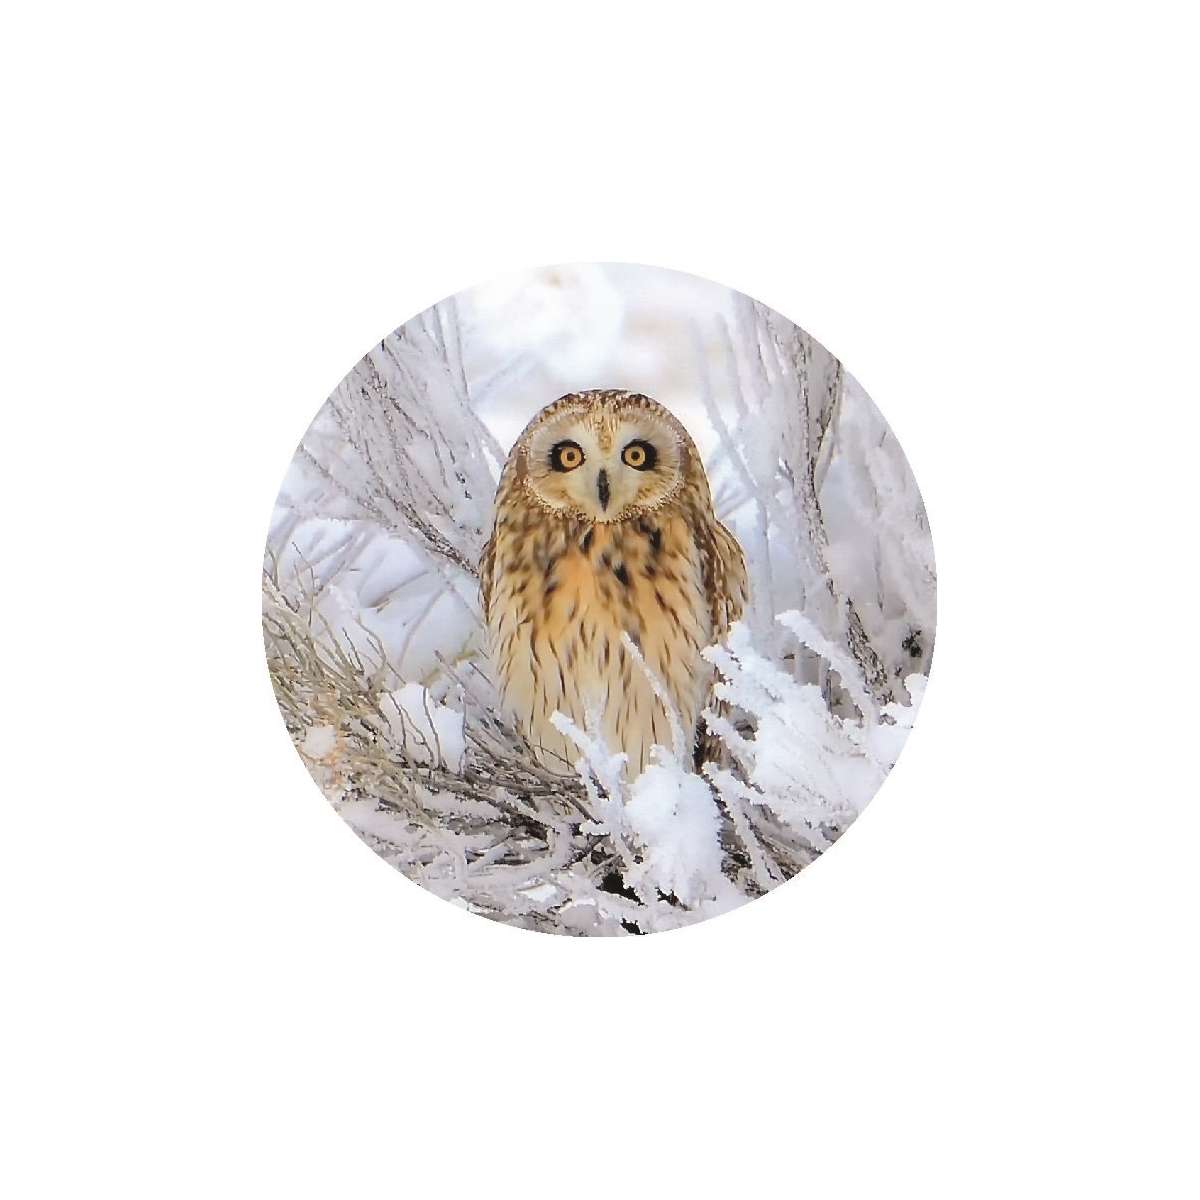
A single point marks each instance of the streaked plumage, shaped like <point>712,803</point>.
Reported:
<point>604,526</point>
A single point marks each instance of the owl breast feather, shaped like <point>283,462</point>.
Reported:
<point>563,595</point>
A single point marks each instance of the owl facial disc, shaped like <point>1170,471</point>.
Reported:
<point>607,459</point>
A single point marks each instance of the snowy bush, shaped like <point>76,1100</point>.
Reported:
<point>375,644</point>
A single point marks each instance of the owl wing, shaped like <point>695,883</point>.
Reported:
<point>728,590</point>
<point>725,581</point>
<point>487,563</point>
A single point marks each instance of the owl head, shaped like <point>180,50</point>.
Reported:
<point>604,456</point>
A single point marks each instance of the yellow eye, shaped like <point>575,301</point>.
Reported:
<point>566,456</point>
<point>639,455</point>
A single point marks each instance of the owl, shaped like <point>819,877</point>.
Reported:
<point>604,527</point>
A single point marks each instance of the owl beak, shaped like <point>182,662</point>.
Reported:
<point>602,489</point>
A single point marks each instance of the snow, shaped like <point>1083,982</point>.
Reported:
<point>672,814</point>
<point>370,558</point>
<point>318,741</point>
<point>431,734</point>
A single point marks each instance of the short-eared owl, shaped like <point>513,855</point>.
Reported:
<point>604,527</point>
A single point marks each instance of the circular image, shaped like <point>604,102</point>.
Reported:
<point>599,600</point>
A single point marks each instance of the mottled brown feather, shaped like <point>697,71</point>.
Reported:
<point>561,582</point>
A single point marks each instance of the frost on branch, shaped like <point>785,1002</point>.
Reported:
<point>807,772</point>
<point>816,487</point>
<point>376,650</point>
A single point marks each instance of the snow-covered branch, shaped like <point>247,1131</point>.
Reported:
<point>376,650</point>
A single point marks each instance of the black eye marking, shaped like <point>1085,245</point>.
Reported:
<point>639,455</point>
<point>566,456</point>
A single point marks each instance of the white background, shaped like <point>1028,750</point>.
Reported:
<point>212,987</point>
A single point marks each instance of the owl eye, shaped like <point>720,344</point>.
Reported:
<point>566,456</point>
<point>641,456</point>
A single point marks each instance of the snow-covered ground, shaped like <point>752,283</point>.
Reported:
<point>372,617</point>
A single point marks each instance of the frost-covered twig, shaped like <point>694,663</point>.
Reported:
<point>807,443</point>
<point>376,647</point>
